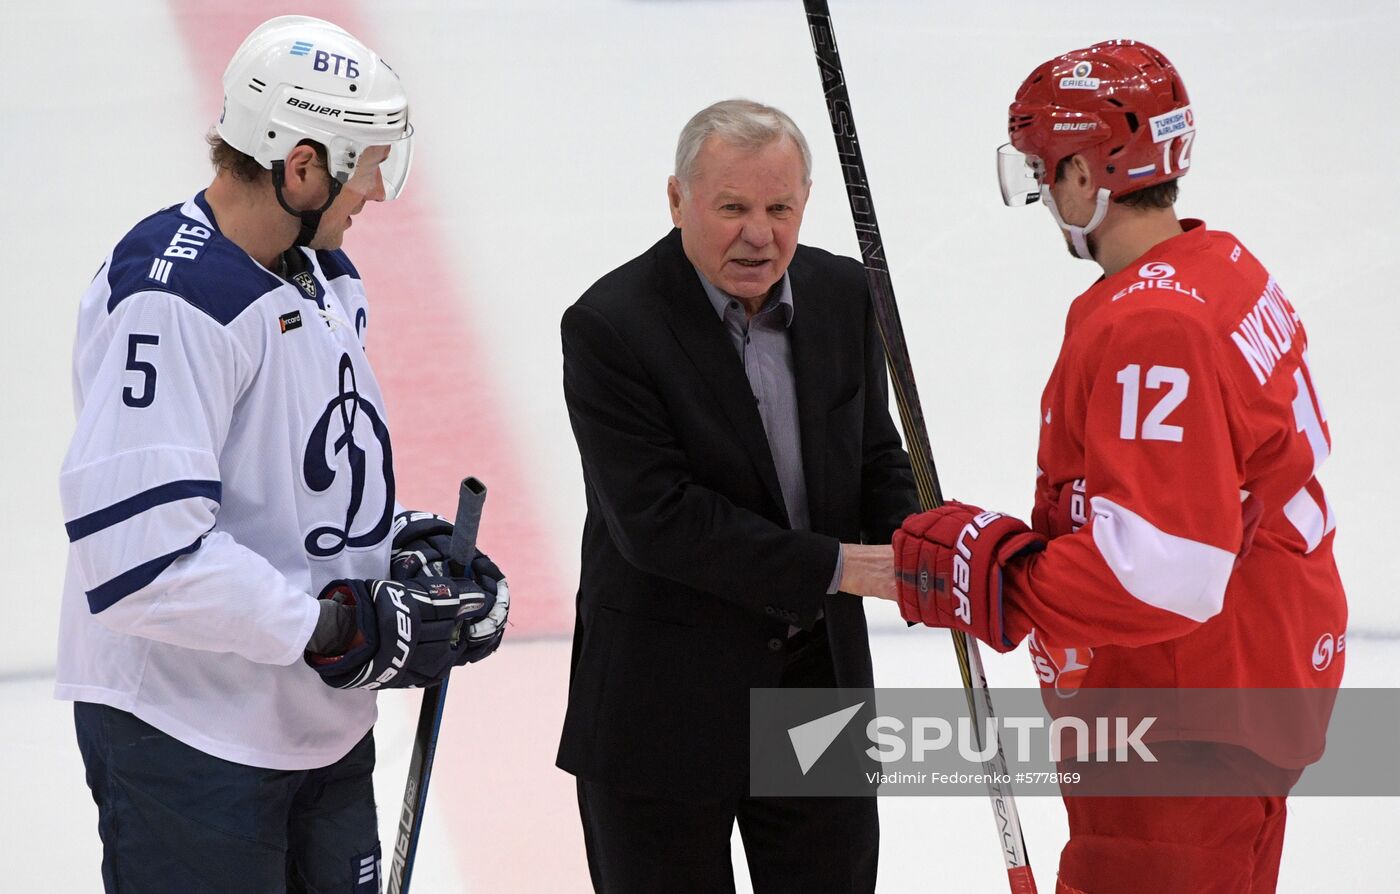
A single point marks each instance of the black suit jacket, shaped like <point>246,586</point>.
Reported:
<point>690,573</point>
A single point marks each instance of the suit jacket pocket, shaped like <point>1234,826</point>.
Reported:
<point>848,404</point>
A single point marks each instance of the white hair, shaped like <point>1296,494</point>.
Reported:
<point>743,123</point>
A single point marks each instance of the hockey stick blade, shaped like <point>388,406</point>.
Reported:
<point>872,251</point>
<point>471,496</point>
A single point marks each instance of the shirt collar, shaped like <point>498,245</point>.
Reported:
<point>721,302</point>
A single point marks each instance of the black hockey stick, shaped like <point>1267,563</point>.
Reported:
<point>470,498</point>
<point>911,414</point>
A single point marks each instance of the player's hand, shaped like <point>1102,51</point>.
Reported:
<point>406,633</point>
<point>422,542</point>
<point>484,636</point>
<point>950,561</point>
<point>1071,510</point>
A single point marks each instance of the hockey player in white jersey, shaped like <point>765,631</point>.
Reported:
<point>229,607</point>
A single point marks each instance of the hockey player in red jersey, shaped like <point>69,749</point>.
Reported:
<point>1180,538</point>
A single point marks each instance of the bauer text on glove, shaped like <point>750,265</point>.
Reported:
<point>406,633</point>
<point>949,564</point>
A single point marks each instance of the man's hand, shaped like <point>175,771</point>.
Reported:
<point>868,571</point>
<point>950,561</point>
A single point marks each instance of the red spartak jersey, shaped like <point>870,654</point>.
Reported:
<point>1181,410</point>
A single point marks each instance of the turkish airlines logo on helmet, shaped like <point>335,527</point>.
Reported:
<point>1172,124</point>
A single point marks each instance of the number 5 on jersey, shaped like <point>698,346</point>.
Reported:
<point>1154,427</point>
<point>144,367</point>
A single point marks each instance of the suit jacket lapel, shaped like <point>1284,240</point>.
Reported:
<point>701,334</point>
<point>815,346</point>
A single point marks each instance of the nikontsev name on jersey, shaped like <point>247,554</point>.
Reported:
<point>1265,335</point>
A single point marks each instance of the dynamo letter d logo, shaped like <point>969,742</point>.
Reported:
<point>810,740</point>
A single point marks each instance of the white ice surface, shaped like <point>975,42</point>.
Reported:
<point>502,818</point>
<point>545,133</point>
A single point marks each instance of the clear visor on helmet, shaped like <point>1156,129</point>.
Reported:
<point>376,170</point>
<point>1020,176</point>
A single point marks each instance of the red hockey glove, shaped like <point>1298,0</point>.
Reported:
<point>949,563</point>
<point>1071,511</point>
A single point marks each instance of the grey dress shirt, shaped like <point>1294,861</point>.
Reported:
<point>766,352</point>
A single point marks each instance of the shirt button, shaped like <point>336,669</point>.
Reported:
<point>733,305</point>
<point>775,645</point>
<point>768,609</point>
<point>747,339</point>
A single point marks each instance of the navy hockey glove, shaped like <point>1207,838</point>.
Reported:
<point>485,635</point>
<point>407,633</point>
<point>421,542</point>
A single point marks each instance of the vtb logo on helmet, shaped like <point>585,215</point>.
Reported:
<point>297,78</point>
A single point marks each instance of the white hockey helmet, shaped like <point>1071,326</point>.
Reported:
<point>297,78</point>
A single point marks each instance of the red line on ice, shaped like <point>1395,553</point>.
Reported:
<point>447,420</point>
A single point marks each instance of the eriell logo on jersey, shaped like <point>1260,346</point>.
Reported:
<point>1158,275</point>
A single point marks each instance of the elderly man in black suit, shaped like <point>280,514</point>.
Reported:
<point>727,391</point>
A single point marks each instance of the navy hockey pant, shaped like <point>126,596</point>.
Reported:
<point>174,819</point>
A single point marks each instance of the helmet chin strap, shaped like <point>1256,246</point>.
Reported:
<point>310,219</point>
<point>1079,235</point>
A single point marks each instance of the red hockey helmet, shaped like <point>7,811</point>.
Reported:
<point>1119,104</point>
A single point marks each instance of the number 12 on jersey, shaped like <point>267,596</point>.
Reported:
<point>1154,427</point>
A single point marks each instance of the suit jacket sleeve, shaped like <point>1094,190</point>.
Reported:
<point>661,520</point>
<point>887,493</point>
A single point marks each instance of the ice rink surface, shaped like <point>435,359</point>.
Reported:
<point>545,133</point>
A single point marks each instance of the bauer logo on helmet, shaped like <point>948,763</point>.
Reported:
<point>315,108</point>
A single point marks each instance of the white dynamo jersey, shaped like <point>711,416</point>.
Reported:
<point>231,458</point>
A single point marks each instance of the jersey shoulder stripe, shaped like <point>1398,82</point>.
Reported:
<point>335,264</point>
<point>179,250</point>
<point>134,505</point>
